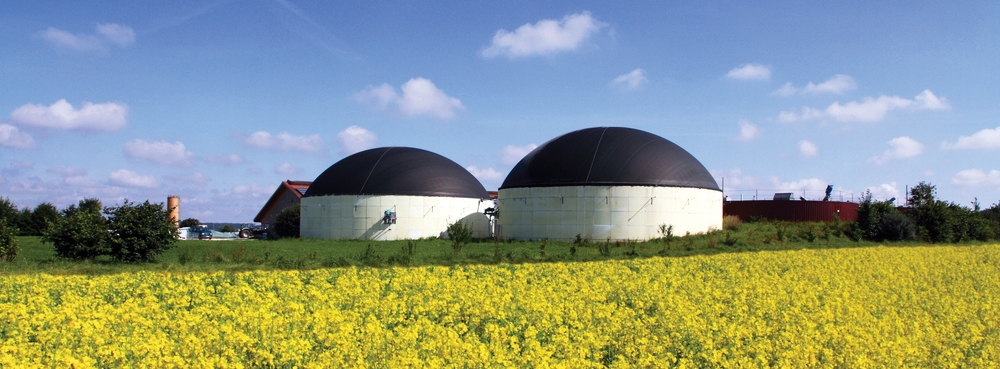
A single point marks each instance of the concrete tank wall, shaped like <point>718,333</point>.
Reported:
<point>603,212</point>
<point>360,217</point>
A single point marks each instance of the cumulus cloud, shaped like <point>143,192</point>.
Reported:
<point>836,85</point>
<point>486,175</point>
<point>870,109</point>
<point>61,115</point>
<point>632,80</point>
<point>114,34</point>
<point>900,148</point>
<point>807,149</point>
<point>547,36</point>
<point>419,97</point>
<point>976,177</point>
<point>129,178</point>
<point>739,184</point>
<point>161,152</point>
<point>117,34</point>
<point>985,139</point>
<point>231,159</point>
<point>252,191</point>
<point>287,168</point>
<point>748,131</point>
<point>885,191</point>
<point>354,139</point>
<point>512,154</point>
<point>10,136</point>
<point>67,171</point>
<point>192,178</point>
<point>749,72</point>
<point>806,113</point>
<point>73,177</point>
<point>284,141</point>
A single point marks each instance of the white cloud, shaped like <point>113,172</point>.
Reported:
<point>287,168</point>
<point>62,115</point>
<point>231,159</point>
<point>68,40</point>
<point>67,171</point>
<point>354,139</point>
<point>115,34</point>
<point>252,190</point>
<point>836,85</point>
<point>748,131</point>
<point>806,114</point>
<point>161,152</point>
<point>10,136</point>
<point>193,178</point>
<point>885,191</point>
<point>750,71</point>
<point>976,177</point>
<point>632,80</point>
<point>547,36</point>
<point>900,148</point>
<point>419,97</point>
<point>786,90</point>
<point>738,184</point>
<point>984,139</point>
<point>118,34</point>
<point>513,154</point>
<point>486,175</point>
<point>868,110</point>
<point>807,149</point>
<point>128,178</point>
<point>284,141</point>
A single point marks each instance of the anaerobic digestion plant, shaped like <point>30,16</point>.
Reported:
<point>608,183</point>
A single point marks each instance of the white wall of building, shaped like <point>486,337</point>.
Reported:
<point>360,217</point>
<point>603,212</point>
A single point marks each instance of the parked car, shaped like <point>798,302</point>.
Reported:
<point>202,231</point>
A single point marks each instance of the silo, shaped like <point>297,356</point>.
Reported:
<point>392,193</point>
<point>608,183</point>
<point>174,207</point>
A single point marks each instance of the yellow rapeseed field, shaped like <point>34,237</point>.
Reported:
<point>933,307</point>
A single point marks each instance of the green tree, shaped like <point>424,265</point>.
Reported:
<point>8,211</point>
<point>90,204</point>
<point>287,221</point>
<point>189,222</point>
<point>139,232</point>
<point>227,228</point>
<point>460,234</point>
<point>82,235</point>
<point>44,214</point>
<point>880,221</point>
<point>931,216</point>
<point>8,244</point>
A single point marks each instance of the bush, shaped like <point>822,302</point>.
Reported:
<point>880,221</point>
<point>731,222</point>
<point>896,227</point>
<point>227,228</point>
<point>139,233</point>
<point>8,212</point>
<point>287,221</point>
<point>189,222</point>
<point>8,244</point>
<point>459,234</point>
<point>83,235</point>
<point>34,223</point>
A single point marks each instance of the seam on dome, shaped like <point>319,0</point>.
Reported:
<point>362,190</point>
<point>594,157</point>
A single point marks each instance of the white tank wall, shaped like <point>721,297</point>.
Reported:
<point>360,217</point>
<point>603,212</point>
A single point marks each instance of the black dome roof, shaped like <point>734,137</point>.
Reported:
<point>609,156</point>
<point>397,171</point>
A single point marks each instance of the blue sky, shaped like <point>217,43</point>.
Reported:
<point>218,102</point>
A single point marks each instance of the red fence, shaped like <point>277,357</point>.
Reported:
<point>795,211</point>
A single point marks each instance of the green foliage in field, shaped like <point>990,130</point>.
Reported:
<point>190,222</point>
<point>8,244</point>
<point>139,232</point>
<point>287,221</point>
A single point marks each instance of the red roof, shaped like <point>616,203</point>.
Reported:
<point>297,188</point>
